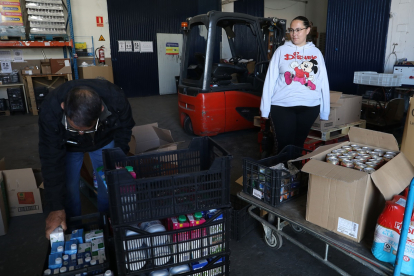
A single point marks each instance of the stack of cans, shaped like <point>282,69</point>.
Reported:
<point>360,158</point>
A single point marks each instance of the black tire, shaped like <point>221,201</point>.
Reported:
<point>275,241</point>
<point>296,228</point>
<point>188,126</point>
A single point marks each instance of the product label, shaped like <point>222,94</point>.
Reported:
<point>401,202</point>
<point>25,198</point>
<point>257,194</point>
<point>347,227</point>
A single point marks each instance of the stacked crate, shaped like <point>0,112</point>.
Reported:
<point>167,185</point>
<point>11,23</point>
<point>46,20</point>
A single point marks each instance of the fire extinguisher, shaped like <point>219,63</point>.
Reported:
<point>101,52</point>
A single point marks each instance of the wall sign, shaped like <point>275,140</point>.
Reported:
<point>172,48</point>
<point>99,21</point>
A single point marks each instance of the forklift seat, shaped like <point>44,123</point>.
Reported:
<point>223,71</point>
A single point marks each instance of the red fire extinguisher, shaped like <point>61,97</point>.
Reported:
<point>101,53</point>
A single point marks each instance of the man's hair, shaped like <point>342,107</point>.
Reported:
<point>83,106</point>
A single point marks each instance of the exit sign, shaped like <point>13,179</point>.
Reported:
<point>99,21</point>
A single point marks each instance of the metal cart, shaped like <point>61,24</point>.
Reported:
<point>293,213</point>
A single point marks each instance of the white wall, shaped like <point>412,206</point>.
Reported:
<point>400,24</point>
<point>284,9</point>
<point>316,11</point>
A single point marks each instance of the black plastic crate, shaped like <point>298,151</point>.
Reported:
<point>16,105</point>
<point>242,223</point>
<point>14,93</point>
<point>274,186</point>
<point>3,105</point>
<point>146,252</point>
<point>87,222</point>
<point>168,183</point>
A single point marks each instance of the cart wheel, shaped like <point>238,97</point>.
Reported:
<point>296,228</point>
<point>188,126</point>
<point>275,241</point>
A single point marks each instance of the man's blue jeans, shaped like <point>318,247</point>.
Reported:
<point>74,162</point>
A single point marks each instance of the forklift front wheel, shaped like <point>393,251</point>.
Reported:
<point>188,126</point>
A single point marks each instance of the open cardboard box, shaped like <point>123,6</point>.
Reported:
<point>344,109</point>
<point>151,138</point>
<point>347,201</point>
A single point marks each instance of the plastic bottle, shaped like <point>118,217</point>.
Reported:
<point>102,175</point>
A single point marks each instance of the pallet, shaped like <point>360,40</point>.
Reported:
<point>13,38</point>
<point>48,37</point>
<point>5,113</point>
<point>335,132</point>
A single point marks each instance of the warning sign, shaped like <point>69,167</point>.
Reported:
<point>101,38</point>
<point>172,48</point>
<point>99,21</point>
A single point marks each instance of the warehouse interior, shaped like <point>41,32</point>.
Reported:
<point>193,74</point>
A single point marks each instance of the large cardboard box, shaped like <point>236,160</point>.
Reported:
<point>348,201</point>
<point>96,72</point>
<point>45,67</point>
<point>407,145</point>
<point>344,109</point>
<point>31,70</point>
<point>22,192</point>
<point>151,138</point>
<point>60,66</point>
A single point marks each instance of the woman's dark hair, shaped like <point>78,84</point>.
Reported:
<point>83,106</point>
<point>305,21</point>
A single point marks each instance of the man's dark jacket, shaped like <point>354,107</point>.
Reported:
<point>115,124</point>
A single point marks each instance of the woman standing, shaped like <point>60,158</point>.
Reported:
<point>296,89</point>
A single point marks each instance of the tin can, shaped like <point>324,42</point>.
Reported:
<point>360,166</point>
<point>361,151</point>
<point>369,170</point>
<point>329,155</point>
<point>337,153</point>
<point>356,148</point>
<point>333,160</point>
<point>391,153</point>
<point>367,148</point>
<point>366,156</point>
<point>353,153</point>
<point>374,160</point>
<point>360,159</point>
<point>344,158</point>
<point>388,157</point>
<point>347,148</point>
<point>379,159</point>
<point>347,164</point>
<point>375,153</point>
<point>371,165</point>
<point>354,145</point>
<point>380,152</point>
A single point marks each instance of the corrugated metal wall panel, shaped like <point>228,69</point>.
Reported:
<point>356,37</point>
<point>137,73</point>
<point>245,44</point>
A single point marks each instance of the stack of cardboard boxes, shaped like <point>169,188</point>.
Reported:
<point>11,23</point>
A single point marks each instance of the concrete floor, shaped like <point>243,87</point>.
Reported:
<point>23,249</point>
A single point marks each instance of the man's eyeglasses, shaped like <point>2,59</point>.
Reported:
<point>71,129</point>
<point>297,30</point>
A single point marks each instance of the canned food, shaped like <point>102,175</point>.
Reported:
<point>360,159</point>
<point>371,165</point>
<point>347,148</point>
<point>367,148</point>
<point>392,153</point>
<point>360,166</point>
<point>361,151</point>
<point>369,152</point>
<point>388,157</point>
<point>336,152</point>
<point>344,158</point>
<point>356,148</point>
<point>366,156</point>
<point>375,153</point>
<point>353,153</point>
<point>369,170</point>
<point>342,150</point>
<point>374,160</point>
<point>379,159</point>
<point>354,145</point>
<point>347,164</point>
<point>380,152</point>
<point>356,161</point>
<point>329,155</point>
<point>333,160</point>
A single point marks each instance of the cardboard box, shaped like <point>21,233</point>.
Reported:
<point>344,109</point>
<point>22,192</point>
<point>96,72</point>
<point>347,201</point>
<point>45,67</point>
<point>151,138</point>
<point>32,70</point>
<point>60,66</point>
<point>407,145</point>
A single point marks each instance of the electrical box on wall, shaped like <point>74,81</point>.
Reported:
<point>407,72</point>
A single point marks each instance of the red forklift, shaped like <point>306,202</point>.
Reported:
<point>216,95</point>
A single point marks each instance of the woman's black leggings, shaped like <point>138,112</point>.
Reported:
<point>292,124</point>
